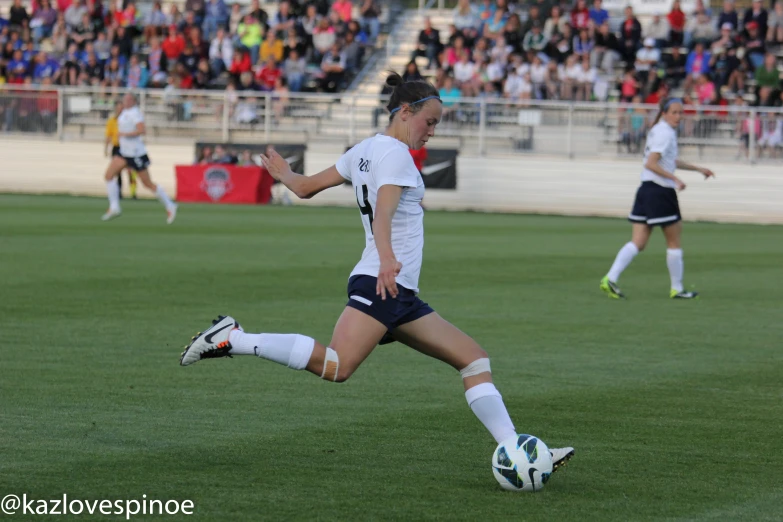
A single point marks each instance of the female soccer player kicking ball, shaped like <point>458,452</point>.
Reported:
<point>656,202</point>
<point>383,304</point>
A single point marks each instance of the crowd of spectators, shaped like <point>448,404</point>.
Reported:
<point>209,44</point>
<point>574,51</point>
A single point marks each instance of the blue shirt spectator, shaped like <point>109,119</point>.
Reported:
<point>598,14</point>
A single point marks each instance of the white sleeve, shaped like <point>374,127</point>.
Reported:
<point>344,165</point>
<point>396,167</point>
<point>138,119</point>
<point>658,141</point>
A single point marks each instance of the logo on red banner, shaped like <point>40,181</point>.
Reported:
<point>217,183</point>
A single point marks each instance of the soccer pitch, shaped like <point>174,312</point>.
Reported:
<point>674,407</point>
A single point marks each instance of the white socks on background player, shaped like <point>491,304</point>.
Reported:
<point>164,198</point>
<point>487,404</point>
<point>292,350</point>
<point>113,190</point>
<point>621,262</point>
<point>628,252</point>
<point>676,267</point>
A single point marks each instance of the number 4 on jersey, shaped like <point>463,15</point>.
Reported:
<point>365,209</point>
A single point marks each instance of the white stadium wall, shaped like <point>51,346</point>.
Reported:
<point>605,187</point>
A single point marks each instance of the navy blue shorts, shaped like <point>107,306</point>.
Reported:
<point>392,313</point>
<point>655,205</point>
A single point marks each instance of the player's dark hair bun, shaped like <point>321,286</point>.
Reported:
<point>407,92</point>
<point>394,80</point>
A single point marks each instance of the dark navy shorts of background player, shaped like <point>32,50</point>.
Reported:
<point>137,163</point>
<point>655,205</point>
<point>392,313</point>
<point>115,151</point>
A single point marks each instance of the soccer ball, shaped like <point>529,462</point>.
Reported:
<point>522,463</point>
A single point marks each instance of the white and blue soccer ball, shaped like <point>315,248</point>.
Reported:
<point>522,463</point>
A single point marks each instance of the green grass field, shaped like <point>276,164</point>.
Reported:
<point>674,407</point>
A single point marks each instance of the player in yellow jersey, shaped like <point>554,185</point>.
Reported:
<point>113,139</point>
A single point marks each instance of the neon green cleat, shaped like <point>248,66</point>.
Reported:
<point>611,289</point>
<point>674,294</point>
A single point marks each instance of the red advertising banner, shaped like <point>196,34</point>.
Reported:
<point>223,184</point>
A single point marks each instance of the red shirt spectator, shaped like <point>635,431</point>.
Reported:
<point>241,63</point>
<point>62,5</point>
<point>580,16</point>
<point>344,9</point>
<point>268,75</point>
<point>173,45</point>
<point>676,18</point>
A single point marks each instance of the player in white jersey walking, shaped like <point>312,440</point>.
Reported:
<point>133,154</point>
<point>656,202</point>
<point>383,304</point>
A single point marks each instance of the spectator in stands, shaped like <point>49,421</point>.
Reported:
<point>606,50</point>
<point>216,16</point>
<point>629,87</point>
<point>580,15</point>
<point>554,25</point>
<point>480,50</point>
<point>92,71</point>
<point>724,63</point>
<point>203,77</point>
<point>333,69</point>
<point>535,39</point>
<point>113,74</point>
<point>631,35</point>
<point>294,69</point>
<point>370,13</point>
<point>677,20</point>
<point>43,21</point>
<point>294,42</point>
<point>283,20</point>
<point>309,23</point>
<point>767,79</point>
<point>675,67</point>
<point>699,29</point>
<point>18,15</point>
<point>755,48</point>
<point>74,13</point>
<point>775,22</point>
<point>706,94</point>
<point>464,70</point>
<point>583,44</point>
<point>251,33</point>
<point>344,8</point>
<point>221,50</point>
<point>235,18</point>
<point>268,74</point>
<point>138,75</point>
<point>189,59</point>
<point>45,67</point>
<point>324,38</point>
<point>258,13</point>
<point>598,14</point>
<point>197,7</point>
<point>155,22</point>
<point>658,29</point>
<point>647,59</point>
<point>353,52</point>
<point>157,63</point>
<point>495,25</point>
<point>221,156</point>
<point>428,44</point>
<point>466,16</point>
<point>272,47</point>
<point>512,33</point>
<point>755,13</point>
<point>538,71</point>
<point>728,16</point>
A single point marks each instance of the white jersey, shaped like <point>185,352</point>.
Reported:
<point>383,160</point>
<point>663,140</point>
<point>127,121</point>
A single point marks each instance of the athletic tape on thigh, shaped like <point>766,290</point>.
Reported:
<point>331,365</point>
<point>476,367</point>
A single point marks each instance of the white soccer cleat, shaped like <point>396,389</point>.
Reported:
<point>560,456</point>
<point>171,215</point>
<point>111,214</point>
<point>211,343</point>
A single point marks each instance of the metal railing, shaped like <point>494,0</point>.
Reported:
<point>476,125</point>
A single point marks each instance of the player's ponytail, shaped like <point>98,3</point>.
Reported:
<point>413,94</point>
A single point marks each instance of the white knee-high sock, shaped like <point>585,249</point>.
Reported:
<point>676,267</point>
<point>487,404</point>
<point>164,198</point>
<point>292,350</point>
<point>113,190</point>
<point>621,262</point>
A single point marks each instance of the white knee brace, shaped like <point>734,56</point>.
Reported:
<point>476,367</point>
<point>331,365</point>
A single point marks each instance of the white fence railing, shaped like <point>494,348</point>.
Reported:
<point>477,125</point>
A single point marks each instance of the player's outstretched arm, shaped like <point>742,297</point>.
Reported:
<point>304,187</point>
<point>707,173</point>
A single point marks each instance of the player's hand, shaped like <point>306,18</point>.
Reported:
<point>707,173</point>
<point>387,282</point>
<point>679,184</point>
<point>275,164</point>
